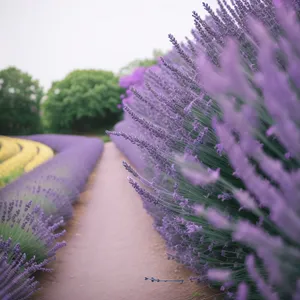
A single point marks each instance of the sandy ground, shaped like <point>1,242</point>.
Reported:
<point>112,246</point>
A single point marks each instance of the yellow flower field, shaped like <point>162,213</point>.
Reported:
<point>19,155</point>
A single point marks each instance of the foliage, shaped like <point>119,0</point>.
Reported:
<point>218,126</point>
<point>20,98</point>
<point>148,62</point>
<point>85,100</point>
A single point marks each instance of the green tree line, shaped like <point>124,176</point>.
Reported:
<point>84,101</point>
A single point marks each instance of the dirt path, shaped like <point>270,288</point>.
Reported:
<point>112,246</point>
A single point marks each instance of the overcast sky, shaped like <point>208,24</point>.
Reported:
<point>50,38</point>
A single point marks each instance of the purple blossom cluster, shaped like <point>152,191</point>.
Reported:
<point>34,207</point>
<point>217,124</point>
<point>134,80</point>
<point>14,283</point>
<point>131,151</point>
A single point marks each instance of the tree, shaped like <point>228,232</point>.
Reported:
<point>85,100</point>
<point>148,62</point>
<point>20,98</point>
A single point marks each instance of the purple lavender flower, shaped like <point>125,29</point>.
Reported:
<point>219,275</point>
<point>242,292</point>
<point>134,78</point>
<point>197,175</point>
<point>215,100</point>
<point>16,272</point>
<point>26,225</point>
<point>34,207</point>
<point>55,185</point>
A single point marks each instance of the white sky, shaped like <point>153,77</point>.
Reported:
<point>50,38</point>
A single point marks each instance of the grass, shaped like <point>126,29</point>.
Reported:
<point>11,177</point>
<point>105,138</point>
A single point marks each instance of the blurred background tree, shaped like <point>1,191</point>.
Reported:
<point>129,68</point>
<point>84,101</point>
<point>20,98</point>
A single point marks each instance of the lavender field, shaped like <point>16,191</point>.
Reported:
<point>35,207</point>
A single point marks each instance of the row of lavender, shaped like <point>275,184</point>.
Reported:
<point>35,207</point>
<point>131,151</point>
<point>217,123</point>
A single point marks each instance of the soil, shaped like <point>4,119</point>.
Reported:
<point>112,246</point>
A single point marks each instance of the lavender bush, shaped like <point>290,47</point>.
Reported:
<point>27,226</point>
<point>58,142</point>
<point>132,152</point>
<point>35,206</point>
<point>56,184</point>
<point>16,272</point>
<point>218,124</point>
<point>28,242</point>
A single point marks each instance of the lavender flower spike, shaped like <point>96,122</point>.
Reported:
<point>197,174</point>
<point>16,273</point>
<point>242,292</point>
<point>219,275</point>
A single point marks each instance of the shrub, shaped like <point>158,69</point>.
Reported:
<point>132,152</point>
<point>20,98</point>
<point>16,273</point>
<point>136,78</point>
<point>25,224</point>
<point>56,184</point>
<point>35,206</point>
<point>228,103</point>
<point>84,101</point>
<point>135,64</point>
<point>129,81</point>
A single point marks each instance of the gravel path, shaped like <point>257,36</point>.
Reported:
<point>112,246</point>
